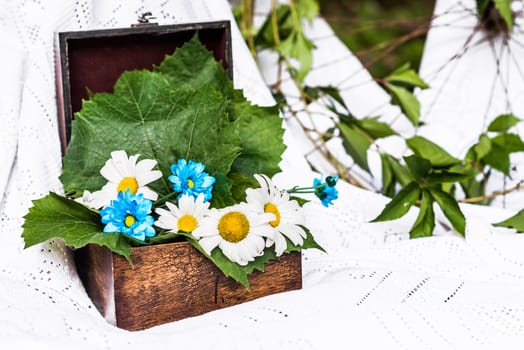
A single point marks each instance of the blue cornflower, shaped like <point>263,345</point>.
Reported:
<point>189,178</point>
<point>129,214</point>
<point>326,191</point>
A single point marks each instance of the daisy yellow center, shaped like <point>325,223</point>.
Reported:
<point>128,183</point>
<point>187,223</point>
<point>271,208</point>
<point>190,183</point>
<point>129,220</point>
<point>233,227</point>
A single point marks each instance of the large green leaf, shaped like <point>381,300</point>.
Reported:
<point>356,144</point>
<point>407,102</point>
<point>425,222</point>
<point>451,209</point>
<point>148,116</point>
<point>54,216</point>
<point>400,204</point>
<point>424,148</point>
<point>503,123</point>
<point>193,65</point>
<point>516,222</point>
<point>261,138</point>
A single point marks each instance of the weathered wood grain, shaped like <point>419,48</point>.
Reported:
<point>169,282</point>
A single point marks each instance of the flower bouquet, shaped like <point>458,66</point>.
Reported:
<point>177,154</point>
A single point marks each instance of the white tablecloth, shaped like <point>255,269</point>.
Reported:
<point>374,288</point>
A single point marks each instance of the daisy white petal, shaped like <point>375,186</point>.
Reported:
<point>187,217</point>
<point>237,231</point>
<point>124,173</point>
<point>287,214</point>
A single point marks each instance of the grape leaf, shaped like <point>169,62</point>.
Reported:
<point>148,116</point>
<point>193,65</point>
<point>54,216</point>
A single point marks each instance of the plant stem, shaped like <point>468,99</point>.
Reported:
<point>495,194</point>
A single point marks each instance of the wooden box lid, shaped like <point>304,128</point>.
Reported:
<point>93,60</point>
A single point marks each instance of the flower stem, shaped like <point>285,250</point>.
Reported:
<point>164,199</point>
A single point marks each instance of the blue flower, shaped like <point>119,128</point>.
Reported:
<point>326,191</point>
<point>189,178</point>
<point>128,214</point>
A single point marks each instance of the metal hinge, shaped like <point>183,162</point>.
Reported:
<point>143,20</point>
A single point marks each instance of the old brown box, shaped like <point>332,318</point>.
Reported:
<point>166,282</point>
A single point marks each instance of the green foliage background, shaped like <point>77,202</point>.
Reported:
<point>364,24</point>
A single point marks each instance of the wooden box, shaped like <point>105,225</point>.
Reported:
<point>165,282</point>
<point>169,282</point>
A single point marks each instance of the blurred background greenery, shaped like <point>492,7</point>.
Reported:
<point>384,34</point>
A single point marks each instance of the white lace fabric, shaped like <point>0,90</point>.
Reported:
<point>373,289</point>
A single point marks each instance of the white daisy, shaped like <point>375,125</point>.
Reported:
<point>125,173</point>
<point>288,215</point>
<point>237,230</point>
<point>186,217</point>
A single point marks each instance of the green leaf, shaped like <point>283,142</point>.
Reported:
<point>308,9</point>
<point>425,222</point>
<point>504,8</point>
<point>516,222</point>
<point>265,37</point>
<point>315,92</point>
<point>445,177</point>
<point>498,158</point>
<point>407,102</point>
<point>242,182</point>
<point>424,148</point>
<point>375,128</point>
<point>148,116</point>
<point>356,144</point>
<point>400,204</point>
<point>258,156</point>
<point>483,147</point>
<point>299,47</point>
<point>402,175</point>
<point>503,123</point>
<point>194,66</point>
<point>309,243</point>
<point>54,216</point>
<point>419,167</point>
<point>404,76</point>
<point>509,142</point>
<point>388,182</point>
<point>451,210</point>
